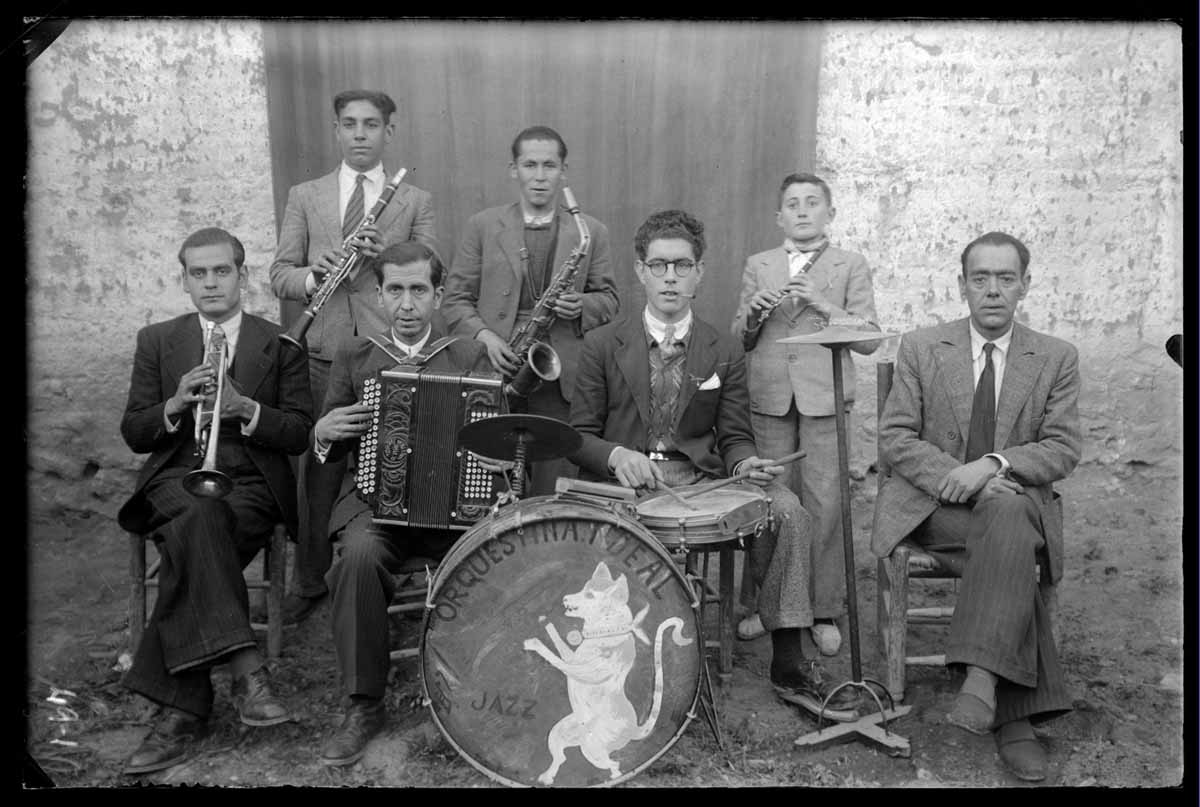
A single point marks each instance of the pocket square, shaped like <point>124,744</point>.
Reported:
<point>712,382</point>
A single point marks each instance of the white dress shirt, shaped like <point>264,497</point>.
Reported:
<point>799,258</point>
<point>978,360</point>
<point>537,221</point>
<point>232,328</point>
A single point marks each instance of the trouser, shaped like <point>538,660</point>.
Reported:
<point>815,481</point>
<point>1000,621</point>
<point>318,485</point>
<point>779,557</point>
<point>202,611</point>
<point>361,587</point>
<point>547,400</point>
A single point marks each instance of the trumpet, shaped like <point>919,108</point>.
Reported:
<point>206,481</point>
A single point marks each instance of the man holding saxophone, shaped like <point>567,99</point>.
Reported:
<point>319,216</point>
<point>207,533</point>
<point>506,260</point>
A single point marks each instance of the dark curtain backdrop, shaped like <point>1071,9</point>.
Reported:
<point>703,116</point>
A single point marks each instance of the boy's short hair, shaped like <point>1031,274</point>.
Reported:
<point>539,133</point>
<point>407,252</point>
<point>803,178</point>
<point>670,224</point>
<point>998,239</point>
<point>211,236</point>
<point>381,101</point>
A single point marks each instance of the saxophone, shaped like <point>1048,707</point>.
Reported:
<point>537,359</point>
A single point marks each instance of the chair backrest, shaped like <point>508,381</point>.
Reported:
<point>883,385</point>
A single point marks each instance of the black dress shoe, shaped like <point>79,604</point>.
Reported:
<point>255,702</point>
<point>172,740</point>
<point>297,608</point>
<point>808,686</point>
<point>363,720</point>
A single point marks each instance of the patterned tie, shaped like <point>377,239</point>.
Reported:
<point>354,208</point>
<point>668,347</point>
<point>983,411</point>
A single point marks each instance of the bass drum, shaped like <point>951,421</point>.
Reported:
<point>561,645</point>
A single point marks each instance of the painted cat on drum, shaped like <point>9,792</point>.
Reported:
<point>616,542</point>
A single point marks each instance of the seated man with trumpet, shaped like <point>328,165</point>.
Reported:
<point>211,389</point>
<point>409,277</point>
<point>661,400</point>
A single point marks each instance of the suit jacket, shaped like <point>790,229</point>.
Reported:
<point>927,417</point>
<point>359,359</point>
<point>779,373</point>
<point>311,225</point>
<point>275,377</point>
<point>611,406</point>
<point>484,285</point>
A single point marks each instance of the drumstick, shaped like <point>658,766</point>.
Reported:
<point>740,475</point>
<point>675,495</point>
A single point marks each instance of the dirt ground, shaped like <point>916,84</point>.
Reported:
<point>1120,623</point>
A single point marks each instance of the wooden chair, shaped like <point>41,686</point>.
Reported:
<point>274,559</point>
<point>412,586</point>
<point>908,561</point>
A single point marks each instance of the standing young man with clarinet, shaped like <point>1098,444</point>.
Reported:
<point>507,258</point>
<point>262,413</point>
<point>320,227</point>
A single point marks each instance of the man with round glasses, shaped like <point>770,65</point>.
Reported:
<point>661,399</point>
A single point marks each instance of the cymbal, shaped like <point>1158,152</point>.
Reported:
<point>497,437</point>
<point>836,335</point>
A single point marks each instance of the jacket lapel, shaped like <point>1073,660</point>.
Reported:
<point>327,207</point>
<point>184,349</point>
<point>957,376</point>
<point>633,360</point>
<point>400,201</point>
<point>252,358</point>
<point>699,365</point>
<point>511,238</point>
<point>819,273</point>
<point>1021,368</point>
<point>568,240</point>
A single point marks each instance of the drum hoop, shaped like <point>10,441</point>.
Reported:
<point>714,517</point>
<point>610,517</point>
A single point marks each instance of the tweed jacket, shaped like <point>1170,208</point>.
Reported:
<point>781,373</point>
<point>311,225</point>
<point>484,285</point>
<point>926,420</point>
<point>611,406</point>
<point>263,369</point>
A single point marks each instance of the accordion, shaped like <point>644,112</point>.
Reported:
<point>411,468</point>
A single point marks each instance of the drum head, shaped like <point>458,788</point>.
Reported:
<point>720,515</point>
<point>561,647</point>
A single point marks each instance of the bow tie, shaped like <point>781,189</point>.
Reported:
<point>792,249</point>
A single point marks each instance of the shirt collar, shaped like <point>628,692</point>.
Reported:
<point>657,329</point>
<point>413,349</point>
<point>232,327</point>
<point>375,176</point>
<point>978,341</point>
<point>531,219</point>
<point>792,248</point>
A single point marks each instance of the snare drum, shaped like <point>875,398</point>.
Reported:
<point>561,645</point>
<point>721,515</point>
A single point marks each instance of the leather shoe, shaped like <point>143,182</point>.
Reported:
<point>170,742</point>
<point>256,704</point>
<point>297,608</point>
<point>808,687</point>
<point>1021,752</point>
<point>362,721</point>
<point>971,713</point>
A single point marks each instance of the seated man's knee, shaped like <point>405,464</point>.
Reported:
<point>359,547</point>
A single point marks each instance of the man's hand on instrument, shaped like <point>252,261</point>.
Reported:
<point>569,305</point>
<point>343,423</point>
<point>761,471</point>
<point>635,470</point>
<point>328,261</point>
<point>804,289</point>
<point>233,403</point>
<point>503,359</point>
<point>369,241</point>
<point>966,480</point>
<point>765,299</point>
<point>191,389</point>
<point>999,486</point>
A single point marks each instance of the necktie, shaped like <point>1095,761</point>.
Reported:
<point>354,208</point>
<point>983,411</point>
<point>668,347</point>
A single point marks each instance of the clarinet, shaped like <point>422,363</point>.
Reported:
<point>295,334</point>
<point>750,335</point>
